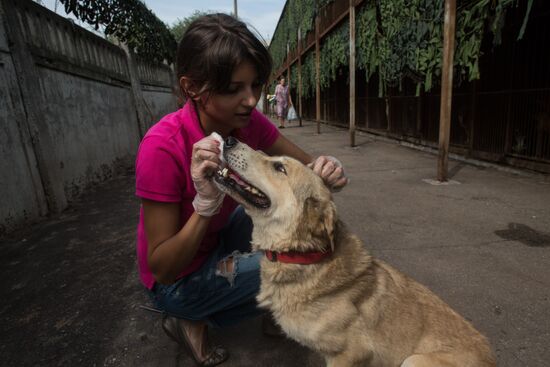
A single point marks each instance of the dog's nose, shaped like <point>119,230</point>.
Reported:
<point>230,142</point>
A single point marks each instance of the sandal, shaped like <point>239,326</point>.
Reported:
<point>214,356</point>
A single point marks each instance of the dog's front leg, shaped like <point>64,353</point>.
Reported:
<point>345,360</point>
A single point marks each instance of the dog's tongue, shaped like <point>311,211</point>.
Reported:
<point>237,179</point>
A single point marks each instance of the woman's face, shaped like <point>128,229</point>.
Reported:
<point>228,110</point>
<point>282,81</point>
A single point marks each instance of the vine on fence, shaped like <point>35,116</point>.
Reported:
<point>399,39</point>
<point>293,82</point>
<point>130,21</point>
<point>297,14</point>
<point>403,38</point>
<point>308,74</point>
<point>334,54</point>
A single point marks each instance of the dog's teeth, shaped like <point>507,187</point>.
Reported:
<point>225,172</point>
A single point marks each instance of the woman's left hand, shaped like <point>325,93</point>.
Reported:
<point>331,171</point>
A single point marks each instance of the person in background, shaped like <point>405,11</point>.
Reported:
<point>193,246</point>
<point>282,96</point>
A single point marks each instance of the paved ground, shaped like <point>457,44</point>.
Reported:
<point>70,293</point>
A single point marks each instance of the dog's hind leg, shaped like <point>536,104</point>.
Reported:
<point>445,360</point>
<point>345,360</point>
<point>430,360</point>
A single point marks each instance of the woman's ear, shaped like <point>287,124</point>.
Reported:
<point>189,88</point>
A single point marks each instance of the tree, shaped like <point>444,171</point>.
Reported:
<point>180,26</point>
<point>130,22</point>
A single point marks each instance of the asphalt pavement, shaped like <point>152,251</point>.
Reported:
<point>70,293</point>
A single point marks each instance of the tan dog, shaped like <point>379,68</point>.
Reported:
<point>353,309</point>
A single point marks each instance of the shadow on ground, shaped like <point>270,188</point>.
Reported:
<point>524,234</point>
<point>71,295</point>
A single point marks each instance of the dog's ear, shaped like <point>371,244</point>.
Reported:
<point>319,221</point>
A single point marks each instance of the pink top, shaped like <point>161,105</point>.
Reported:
<point>281,94</point>
<point>163,174</point>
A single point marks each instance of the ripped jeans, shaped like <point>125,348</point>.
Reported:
<point>212,293</point>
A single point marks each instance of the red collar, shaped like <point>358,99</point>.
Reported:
<point>295,257</point>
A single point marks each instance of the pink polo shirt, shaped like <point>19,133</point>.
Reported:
<point>163,174</point>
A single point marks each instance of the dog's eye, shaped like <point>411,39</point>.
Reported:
<point>279,167</point>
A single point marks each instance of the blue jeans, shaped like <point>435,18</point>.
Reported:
<point>213,294</point>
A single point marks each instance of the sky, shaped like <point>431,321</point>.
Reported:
<point>263,15</point>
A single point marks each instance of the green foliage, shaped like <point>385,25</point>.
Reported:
<point>308,74</point>
<point>297,14</point>
<point>470,28</point>
<point>406,40</point>
<point>334,54</point>
<point>293,82</point>
<point>397,39</point>
<point>366,37</point>
<point>130,21</point>
<point>499,16</point>
<point>180,26</point>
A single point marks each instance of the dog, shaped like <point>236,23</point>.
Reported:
<point>323,287</point>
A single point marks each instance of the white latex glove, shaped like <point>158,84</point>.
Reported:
<point>206,159</point>
<point>331,171</point>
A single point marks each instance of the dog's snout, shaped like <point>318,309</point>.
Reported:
<point>230,142</point>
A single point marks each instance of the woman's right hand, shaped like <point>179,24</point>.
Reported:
<point>204,163</point>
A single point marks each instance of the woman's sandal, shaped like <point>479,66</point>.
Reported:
<point>172,328</point>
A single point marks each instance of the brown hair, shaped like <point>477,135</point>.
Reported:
<point>212,46</point>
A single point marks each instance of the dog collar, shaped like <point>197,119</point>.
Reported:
<point>295,257</point>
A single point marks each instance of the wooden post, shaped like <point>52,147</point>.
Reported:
<point>446,89</point>
<point>352,72</point>
<point>300,76</point>
<point>317,76</point>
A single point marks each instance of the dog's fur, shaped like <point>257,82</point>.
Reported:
<point>352,308</point>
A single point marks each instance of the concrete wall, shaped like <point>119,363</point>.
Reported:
<point>158,98</point>
<point>71,111</point>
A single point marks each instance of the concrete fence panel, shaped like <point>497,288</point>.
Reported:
<point>71,112</point>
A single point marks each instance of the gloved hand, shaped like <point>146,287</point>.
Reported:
<point>205,161</point>
<point>331,171</point>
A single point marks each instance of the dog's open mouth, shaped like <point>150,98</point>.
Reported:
<point>249,193</point>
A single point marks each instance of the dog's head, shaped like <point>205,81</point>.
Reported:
<point>289,204</point>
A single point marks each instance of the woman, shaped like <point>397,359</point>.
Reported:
<point>193,242</point>
<point>282,95</point>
